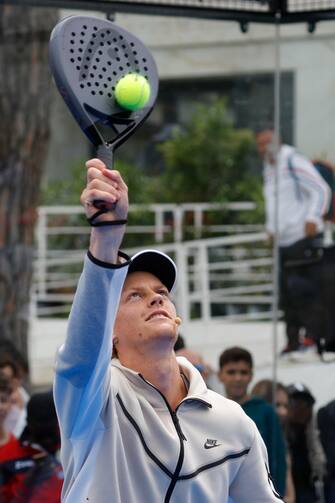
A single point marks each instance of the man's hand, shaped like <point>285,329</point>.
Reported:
<point>108,186</point>
<point>104,185</point>
<point>311,229</point>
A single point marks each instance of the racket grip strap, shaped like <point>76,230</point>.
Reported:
<point>92,220</point>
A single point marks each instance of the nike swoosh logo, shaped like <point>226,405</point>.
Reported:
<point>209,444</point>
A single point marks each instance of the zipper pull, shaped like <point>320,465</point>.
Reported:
<point>177,425</point>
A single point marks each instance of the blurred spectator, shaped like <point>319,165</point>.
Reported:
<point>16,417</point>
<point>180,343</point>
<point>197,360</point>
<point>307,455</point>
<point>236,371</point>
<point>9,445</point>
<point>9,351</point>
<point>29,470</point>
<point>326,425</point>
<point>43,481</point>
<point>264,389</point>
<point>304,198</point>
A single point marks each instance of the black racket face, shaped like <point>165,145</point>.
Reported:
<point>88,56</point>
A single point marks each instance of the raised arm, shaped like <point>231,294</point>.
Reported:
<point>83,362</point>
<point>105,185</point>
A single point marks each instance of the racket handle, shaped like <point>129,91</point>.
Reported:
<point>105,155</point>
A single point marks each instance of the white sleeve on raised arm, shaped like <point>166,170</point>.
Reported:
<point>82,371</point>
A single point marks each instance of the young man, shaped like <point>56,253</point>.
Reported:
<point>142,427</point>
<point>303,198</point>
<point>236,372</point>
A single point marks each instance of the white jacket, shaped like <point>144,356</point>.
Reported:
<point>302,192</point>
<point>121,442</point>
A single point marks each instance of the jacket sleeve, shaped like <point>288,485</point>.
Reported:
<point>82,370</point>
<point>316,188</point>
<point>253,481</point>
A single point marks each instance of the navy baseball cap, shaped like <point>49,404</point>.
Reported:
<point>299,390</point>
<point>157,263</point>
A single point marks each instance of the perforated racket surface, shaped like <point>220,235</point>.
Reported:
<point>88,56</point>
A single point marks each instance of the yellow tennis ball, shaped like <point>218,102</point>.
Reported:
<point>132,91</point>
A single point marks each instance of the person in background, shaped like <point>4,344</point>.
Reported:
<point>10,351</point>
<point>9,445</point>
<point>236,372</point>
<point>180,343</point>
<point>264,389</point>
<point>304,197</point>
<point>29,470</point>
<point>196,359</point>
<point>326,425</point>
<point>16,417</point>
<point>307,456</point>
<point>40,442</point>
<point>206,371</point>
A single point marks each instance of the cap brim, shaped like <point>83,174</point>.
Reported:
<point>300,391</point>
<point>157,263</point>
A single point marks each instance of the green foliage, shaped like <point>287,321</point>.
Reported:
<point>68,190</point>
<point>65,190</point>
<point>206,160</point>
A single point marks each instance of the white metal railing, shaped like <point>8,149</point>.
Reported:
<point>216,284</point>
<point>226,276</point>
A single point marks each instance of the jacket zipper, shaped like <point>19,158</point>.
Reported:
<point>182,438</point>
<point>180,459</point>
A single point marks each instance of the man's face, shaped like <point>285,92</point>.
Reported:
<point>146,315</point>
<point>236,377</point>
<point>264,139</point>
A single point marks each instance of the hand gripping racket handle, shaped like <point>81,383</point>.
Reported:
<point>105,154</point>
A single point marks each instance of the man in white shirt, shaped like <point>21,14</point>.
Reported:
<point>303,199</point>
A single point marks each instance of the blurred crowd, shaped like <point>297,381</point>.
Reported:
<point>30,471</point>
<point>300,440</point>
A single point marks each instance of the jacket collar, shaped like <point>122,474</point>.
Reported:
<point>197,391</point>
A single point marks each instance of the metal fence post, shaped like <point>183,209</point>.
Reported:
<point>42,238</point>
<point>204,281</point>
<point>183,299</point>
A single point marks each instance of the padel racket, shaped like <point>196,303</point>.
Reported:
<point>88,56</point>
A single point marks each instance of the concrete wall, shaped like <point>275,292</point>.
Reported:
<point>186,48</point>
<point>202,48</point>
